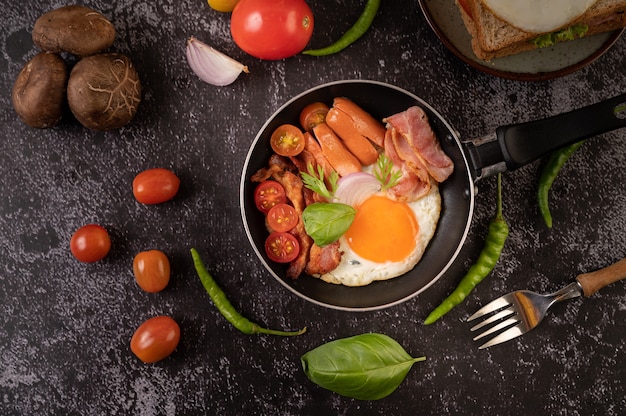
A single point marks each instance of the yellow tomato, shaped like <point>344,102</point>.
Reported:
<point>223,5</point>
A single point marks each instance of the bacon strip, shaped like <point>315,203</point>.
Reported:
<point>413,184</point>
<point>323,259</point>
<point>413,162</point>
<point>276,164</point>
<point>302,162</point>
<point>294,191</point>
<point>413,124</point>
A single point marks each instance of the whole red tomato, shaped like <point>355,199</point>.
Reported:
<point>271,29</point>
<point>152,270</point>
<point>155,339</point>
<point>90,243</point>
<point>154,186</point>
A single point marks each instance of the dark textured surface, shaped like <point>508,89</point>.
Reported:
<point>65,326</point>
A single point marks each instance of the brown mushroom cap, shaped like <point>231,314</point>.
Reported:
<point>75,29</point>
<point>104,91</point>
<point>38,93</point>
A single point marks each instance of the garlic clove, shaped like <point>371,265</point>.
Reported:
<point>211,65</point>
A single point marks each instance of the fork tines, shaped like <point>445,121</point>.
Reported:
<point>504,317</point>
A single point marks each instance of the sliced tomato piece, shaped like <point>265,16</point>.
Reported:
<point>312,115</point>
<point>267,194</point>
<point>466,7</point>
<point>282,217</point>
<point>282,247</point>
<point>287,140</point>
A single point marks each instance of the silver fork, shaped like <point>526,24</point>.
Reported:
<point>518,312</point>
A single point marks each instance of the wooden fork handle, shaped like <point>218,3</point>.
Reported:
<point>593,281</point>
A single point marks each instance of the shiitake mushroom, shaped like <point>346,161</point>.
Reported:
<point>38,93</point>
<point>104,91</point>
<point>76,29</point>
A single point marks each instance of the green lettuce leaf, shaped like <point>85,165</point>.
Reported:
<point>573,32</point>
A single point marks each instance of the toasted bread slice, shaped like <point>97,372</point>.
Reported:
<point>494,38</point>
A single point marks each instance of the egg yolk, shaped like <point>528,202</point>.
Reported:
<point>383,230</point>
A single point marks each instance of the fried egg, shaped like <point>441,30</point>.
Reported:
<point>538,16</point>
<point>386,239</point>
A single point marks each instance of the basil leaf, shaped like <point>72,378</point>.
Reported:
<point>364,367</point>
<point>325,222</point>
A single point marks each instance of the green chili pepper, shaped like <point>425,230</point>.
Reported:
<point>551,169</point>
<point>359,28</point>
<point>226,308</point>
<point>489,255</point>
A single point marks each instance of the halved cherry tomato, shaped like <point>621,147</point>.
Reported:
<point>287,140</point>
<point>90,243</point>
<point>155,339</point>
<point>282,247</point>
<point>154,186</point>
<point>267,194</point>
<point>152,270</point>
<point>312,115</point>
<point>282,217</point>
<point>273,29</point>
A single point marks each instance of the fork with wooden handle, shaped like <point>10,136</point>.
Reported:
<point>518,312</point>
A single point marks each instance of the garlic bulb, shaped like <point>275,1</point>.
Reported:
<point>211,65</point>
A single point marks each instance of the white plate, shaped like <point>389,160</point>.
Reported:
<point>445,19</point>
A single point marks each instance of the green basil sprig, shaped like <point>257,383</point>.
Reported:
<point>364,367</point>
<point>325,222</point>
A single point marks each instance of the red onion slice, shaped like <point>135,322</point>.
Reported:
<point>355,188</point>
<point>211,65</point>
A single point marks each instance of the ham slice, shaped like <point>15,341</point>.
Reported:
<point>413,184</point>
<point>413,125</point>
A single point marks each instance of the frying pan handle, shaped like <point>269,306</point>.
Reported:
<point>526,142</point>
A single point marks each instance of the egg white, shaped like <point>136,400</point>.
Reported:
<point>538,16</point>
<point>353,270</point>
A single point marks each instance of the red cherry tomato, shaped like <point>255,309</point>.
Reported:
<point>271,29</point>
<point>282,217</point>
<point>267,194</point>
<point>152,270</point>
<point>155,339</point>
<point>312,115</point>
<point>287,140</point>
<point>282,247</point>
<point>90,243</point>
<point>154,186</point>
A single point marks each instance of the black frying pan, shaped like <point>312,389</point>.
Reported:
<point>508,148</point>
